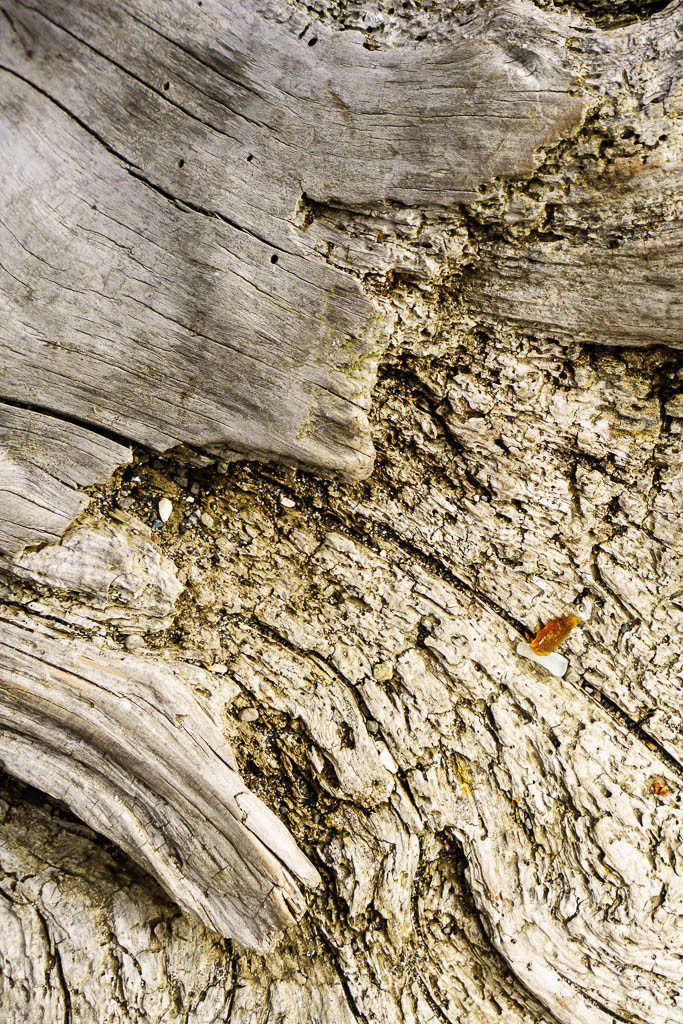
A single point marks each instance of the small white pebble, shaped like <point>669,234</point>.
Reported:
<point>287,502</point>
<point>219,669</point>
<point>190,500</point>
<point>554,663</point>
<point>133,642</point>
<point>207,519</point>
<point>387,760</point>
<point>165,509</point>
<point>248,715</point>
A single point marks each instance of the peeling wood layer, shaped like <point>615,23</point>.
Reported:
<point>45,462</point>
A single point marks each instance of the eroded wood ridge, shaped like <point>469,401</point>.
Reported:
<point>125,743</point>
<point>45,462</point>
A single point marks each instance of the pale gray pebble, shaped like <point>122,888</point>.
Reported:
<point>373,728</point>
<point>248,715</point>
<point>133,642</point>
<point>207,519</point>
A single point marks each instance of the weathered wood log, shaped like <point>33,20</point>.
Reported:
<point>216,326</point>
<point>218,220</point>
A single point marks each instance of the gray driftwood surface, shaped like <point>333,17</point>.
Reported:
<point>385,298</point>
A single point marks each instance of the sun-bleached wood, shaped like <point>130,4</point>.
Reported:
<point>219,219</point>
<point>125,743</point>
<point>45,462</point>
<point>163,254</point>
<point>111,574</point>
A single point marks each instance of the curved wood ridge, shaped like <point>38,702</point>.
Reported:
<point>124,742</point>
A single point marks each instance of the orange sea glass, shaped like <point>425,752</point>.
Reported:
<point>553,634</point>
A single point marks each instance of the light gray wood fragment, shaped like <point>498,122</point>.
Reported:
<point>111,573</point>
<point>626,293</point>
<point>44,464</point>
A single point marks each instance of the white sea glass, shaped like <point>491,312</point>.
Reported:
<point>554,663</point>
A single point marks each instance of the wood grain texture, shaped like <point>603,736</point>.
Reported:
<point>45,462</point>
<point>125,743</point>
<point>155,281</point>
<point>166,258</point>
<point>221,222</point>
<point>110,573</point>
<point>108,939</point>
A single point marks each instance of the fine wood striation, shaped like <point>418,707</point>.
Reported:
<point>225,225</point>
<point>45,463</point>
<point>126,744</point>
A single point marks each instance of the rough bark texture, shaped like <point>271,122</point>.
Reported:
<point>475,211</point>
